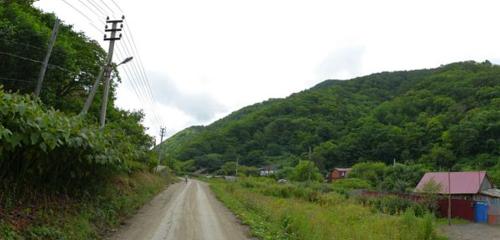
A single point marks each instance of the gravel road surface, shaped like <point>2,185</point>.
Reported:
<point>185,211</point>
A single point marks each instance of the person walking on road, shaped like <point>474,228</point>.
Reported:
<point>186,178</point>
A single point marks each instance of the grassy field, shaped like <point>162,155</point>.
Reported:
<point>89,217</point>
<point>290,211</point>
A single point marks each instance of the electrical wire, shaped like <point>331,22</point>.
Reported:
<point>106,5</point>
<point>134,71</point>
<point>91,22</point>
<point>16,80</point>
<point>35,61</point>
<point>91,10</point>
<point>117,6</point>
<point>96,6</point>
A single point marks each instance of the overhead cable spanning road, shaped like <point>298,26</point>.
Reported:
<point>185,211</point>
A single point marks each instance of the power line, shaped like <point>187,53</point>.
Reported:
<point>141,65</point>
<point>132,80</point>
<point>134,64</point>
<point>16,80</point>
<point>96,6</point>
<point>8,42</point>
<point>91,10</point>
<point>91,22</point>
<point>104,2</point>
<point>34,60</point>
<point>135,71</point>
<point>141,92</point>
<point>118,6</point>
<point>138,88</point>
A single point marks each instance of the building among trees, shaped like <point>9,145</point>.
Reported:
<point>473,195</point>
<point>338,173</point>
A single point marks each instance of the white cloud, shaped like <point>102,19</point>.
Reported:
<point>221,55</point>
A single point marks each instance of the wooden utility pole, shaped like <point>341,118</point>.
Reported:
<point>43,69</point>
<point>106,68</point>
<point>162,133</point>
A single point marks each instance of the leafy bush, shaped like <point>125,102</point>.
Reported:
<point>350,184</point>
<point>396,205</point>
<point>373,172</point>
<point>49,149</point>
<point>306,171</point>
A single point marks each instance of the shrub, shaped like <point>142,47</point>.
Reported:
<point>350,184</point>
<point>46,148</point>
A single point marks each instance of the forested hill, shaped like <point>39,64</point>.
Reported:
<point>443,117</point>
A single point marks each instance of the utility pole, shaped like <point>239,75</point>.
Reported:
<point>237,164</point>
<point>310,168</point>
<point>107,71</point>
<point>107,65</point>
<point>162,133</point>
<point>449,197</point>
<point>52,41</point>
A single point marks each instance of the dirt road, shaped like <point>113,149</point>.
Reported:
<point>472,231</point>
<point>186,211</point>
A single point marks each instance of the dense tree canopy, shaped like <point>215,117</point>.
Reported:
<point>448,117</point>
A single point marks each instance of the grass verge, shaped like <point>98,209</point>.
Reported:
<point>88,217</point>
<point>330,216</point>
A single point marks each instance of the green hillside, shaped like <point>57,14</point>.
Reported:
<point>443,117</point>
<point>172,146</point>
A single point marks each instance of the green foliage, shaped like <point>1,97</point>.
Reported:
<point>396,205</point>
<point>229,168</point>
<point>49,148</point>
<point>273,214</point>
<point>446,117</point>
<point>90,217</point>
<point>306,171</point>
<point>42,143</point>
<point>75,60</point>
<point>402,178</point>
<point>248,171</point>
<point>347,184</point>
<point>6,232</point>
<point>373,172</point>
<point>394,178</point>
<point>430,193</point>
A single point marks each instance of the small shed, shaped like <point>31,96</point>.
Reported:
<point>338,173</point>
<point>473,196</point>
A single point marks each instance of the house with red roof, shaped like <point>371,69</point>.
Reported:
<point>473,195</point>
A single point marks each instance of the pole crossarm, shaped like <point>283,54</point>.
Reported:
<point>105,72</point>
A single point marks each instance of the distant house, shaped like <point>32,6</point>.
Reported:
<point>473,196</point>
<point>338,173</point>
<point>267,171</point>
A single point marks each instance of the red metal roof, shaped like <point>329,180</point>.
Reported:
<point>343,169</point>
<point>461,182</point>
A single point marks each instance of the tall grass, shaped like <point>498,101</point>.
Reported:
<point>297,212</point>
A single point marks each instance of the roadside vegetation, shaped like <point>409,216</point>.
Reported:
<point>61,177</point>
<point>317,211</point>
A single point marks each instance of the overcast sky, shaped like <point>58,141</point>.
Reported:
<point>207,58</point>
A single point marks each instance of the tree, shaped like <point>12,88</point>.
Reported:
<point>402,178</point>
<point>430,192</point>
<point>229,168</point>
<point>373,172</point>
<point>306,171</point>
